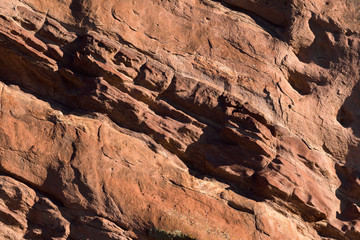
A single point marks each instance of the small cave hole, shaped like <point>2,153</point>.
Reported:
<point>299,83</point>
<point>277,161</point>
<point>345,117</point>
<point>102,45</point>
<point>349,33</point>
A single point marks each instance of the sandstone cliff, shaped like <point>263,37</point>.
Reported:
<point>190,119</point>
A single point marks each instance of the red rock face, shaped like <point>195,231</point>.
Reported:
<point>193,119</point>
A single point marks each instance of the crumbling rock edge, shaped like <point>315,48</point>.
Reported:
<point>179,120</point>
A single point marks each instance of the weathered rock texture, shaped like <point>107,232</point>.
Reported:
<point>168,119</point>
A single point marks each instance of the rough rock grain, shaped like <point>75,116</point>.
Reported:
<point>193,119</point>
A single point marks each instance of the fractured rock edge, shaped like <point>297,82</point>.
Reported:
<point>232,109</point>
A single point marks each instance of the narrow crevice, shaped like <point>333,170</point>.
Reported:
<point>276,30</point>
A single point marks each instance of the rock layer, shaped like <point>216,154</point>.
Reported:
<point>191,119</point>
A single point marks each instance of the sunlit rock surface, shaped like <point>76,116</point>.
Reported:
<point>192,119</point>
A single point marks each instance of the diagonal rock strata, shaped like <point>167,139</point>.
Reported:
<point>191,119</point>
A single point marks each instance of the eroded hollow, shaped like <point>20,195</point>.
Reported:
<point>325,49</point>
<point>300,82</point>
<point>345,117</point>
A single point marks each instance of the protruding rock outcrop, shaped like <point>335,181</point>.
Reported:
<point>191,119</point>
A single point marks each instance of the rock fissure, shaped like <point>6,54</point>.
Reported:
<point>174,119</point>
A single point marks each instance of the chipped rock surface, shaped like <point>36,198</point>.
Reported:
<point>192,119</point>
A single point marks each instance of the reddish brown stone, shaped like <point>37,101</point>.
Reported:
<point>193,119</point>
